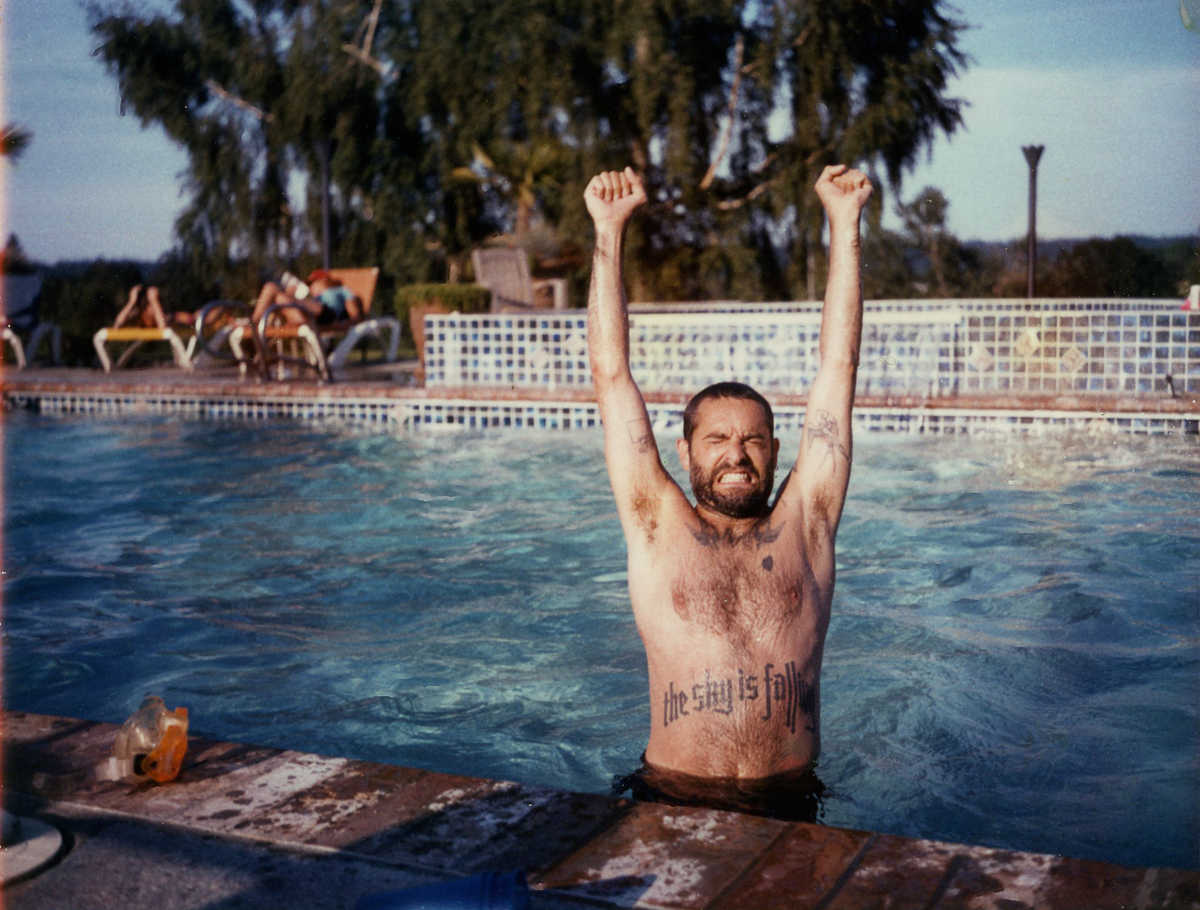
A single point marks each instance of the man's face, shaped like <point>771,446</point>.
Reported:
<point>731,457</point>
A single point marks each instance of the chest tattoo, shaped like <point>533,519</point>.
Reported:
<point>758,536</point>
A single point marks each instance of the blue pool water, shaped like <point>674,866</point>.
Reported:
<point>1014,657</point>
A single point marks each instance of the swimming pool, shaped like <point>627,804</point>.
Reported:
<point>1012,660</point>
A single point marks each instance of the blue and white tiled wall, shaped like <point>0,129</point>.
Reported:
<point>924,348</point>
<point>452,413</point>
<point>1130,353</point>
<point>931,349</point>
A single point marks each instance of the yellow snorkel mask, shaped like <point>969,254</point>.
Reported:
<point>150,744</point>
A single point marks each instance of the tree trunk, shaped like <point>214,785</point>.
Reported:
<point>810,265</point>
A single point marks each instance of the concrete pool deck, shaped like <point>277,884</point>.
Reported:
<point>245,826</point>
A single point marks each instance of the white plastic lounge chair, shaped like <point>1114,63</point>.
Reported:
<point>324,348</point>
<point>362,283</point>
<point>137,335</point>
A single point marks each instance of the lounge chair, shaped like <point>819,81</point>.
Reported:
<point>362,283</point>
<point>19,298</point>
<point>324,348</point>
<point>505,272</point>
<point>137,335</point>
<point>219,326</point>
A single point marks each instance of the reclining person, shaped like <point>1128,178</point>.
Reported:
<point>144,309</point>
<point>328,301</point>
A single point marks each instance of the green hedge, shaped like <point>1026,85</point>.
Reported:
<point>463,298</point>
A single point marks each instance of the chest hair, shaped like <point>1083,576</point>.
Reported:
<point>738,593</point>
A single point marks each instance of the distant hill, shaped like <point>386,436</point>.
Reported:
<point>1048,249</point>
<point>74,268</point>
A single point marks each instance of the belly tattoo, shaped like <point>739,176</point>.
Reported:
<point>781,692</point>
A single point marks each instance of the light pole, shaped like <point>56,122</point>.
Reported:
<point>1032,154</point>
<point>324,150</point>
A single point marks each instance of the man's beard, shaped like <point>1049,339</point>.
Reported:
<point>749,503</point>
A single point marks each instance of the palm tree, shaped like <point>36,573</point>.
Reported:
<point>523,173</point>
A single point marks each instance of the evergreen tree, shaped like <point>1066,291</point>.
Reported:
<point>435,123</point>
<point>946,268</point>
<point>264,96</point>
<point>865,80</point>
<point>887,273</point>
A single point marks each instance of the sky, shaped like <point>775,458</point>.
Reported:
<point>1111,88</point>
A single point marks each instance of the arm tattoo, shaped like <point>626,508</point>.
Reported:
<point>640,434</point>
<point>604,252</point>
<point>600,254</point>
<point>824,430</point>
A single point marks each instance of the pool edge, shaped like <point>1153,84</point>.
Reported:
<point>363,399</point>
<point>578,849</point>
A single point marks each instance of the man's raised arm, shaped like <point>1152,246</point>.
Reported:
<point>634,469</point>
<point>611,199</point>
<point>823,465</point>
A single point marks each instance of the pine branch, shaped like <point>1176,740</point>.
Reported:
<point>726,205</point>
<point>233,99</point>
<point>738,70</point>
<point>727,133</point>
<point>365,58</point>
<point>363,54</point>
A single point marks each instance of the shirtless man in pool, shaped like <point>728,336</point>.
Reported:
<point>731,596</point>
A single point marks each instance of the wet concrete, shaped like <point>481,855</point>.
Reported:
<point>244,826</point>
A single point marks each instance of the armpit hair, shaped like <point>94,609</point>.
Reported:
<point>645,512</point>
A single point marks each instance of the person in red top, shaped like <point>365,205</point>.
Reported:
<point>327,301</point>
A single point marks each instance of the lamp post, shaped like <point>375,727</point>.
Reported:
<point>1032,155</point>
<point>325,152</point>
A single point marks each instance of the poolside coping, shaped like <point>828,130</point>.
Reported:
<point>248,826</point>
<point>386,396</point>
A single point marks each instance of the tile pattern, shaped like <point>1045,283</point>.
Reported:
<point>475,414</point>
<point>926,348</point>
<point>199,405</point>
<point>680,352</point>
<point>668,419</point>
<point>1015,305</point>
<point>483,413</point>
<point>1081,352</point>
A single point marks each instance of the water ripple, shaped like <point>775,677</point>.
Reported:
<point>1015,626</point>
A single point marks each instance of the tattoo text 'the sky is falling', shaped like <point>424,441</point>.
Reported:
<point>781,690</point>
